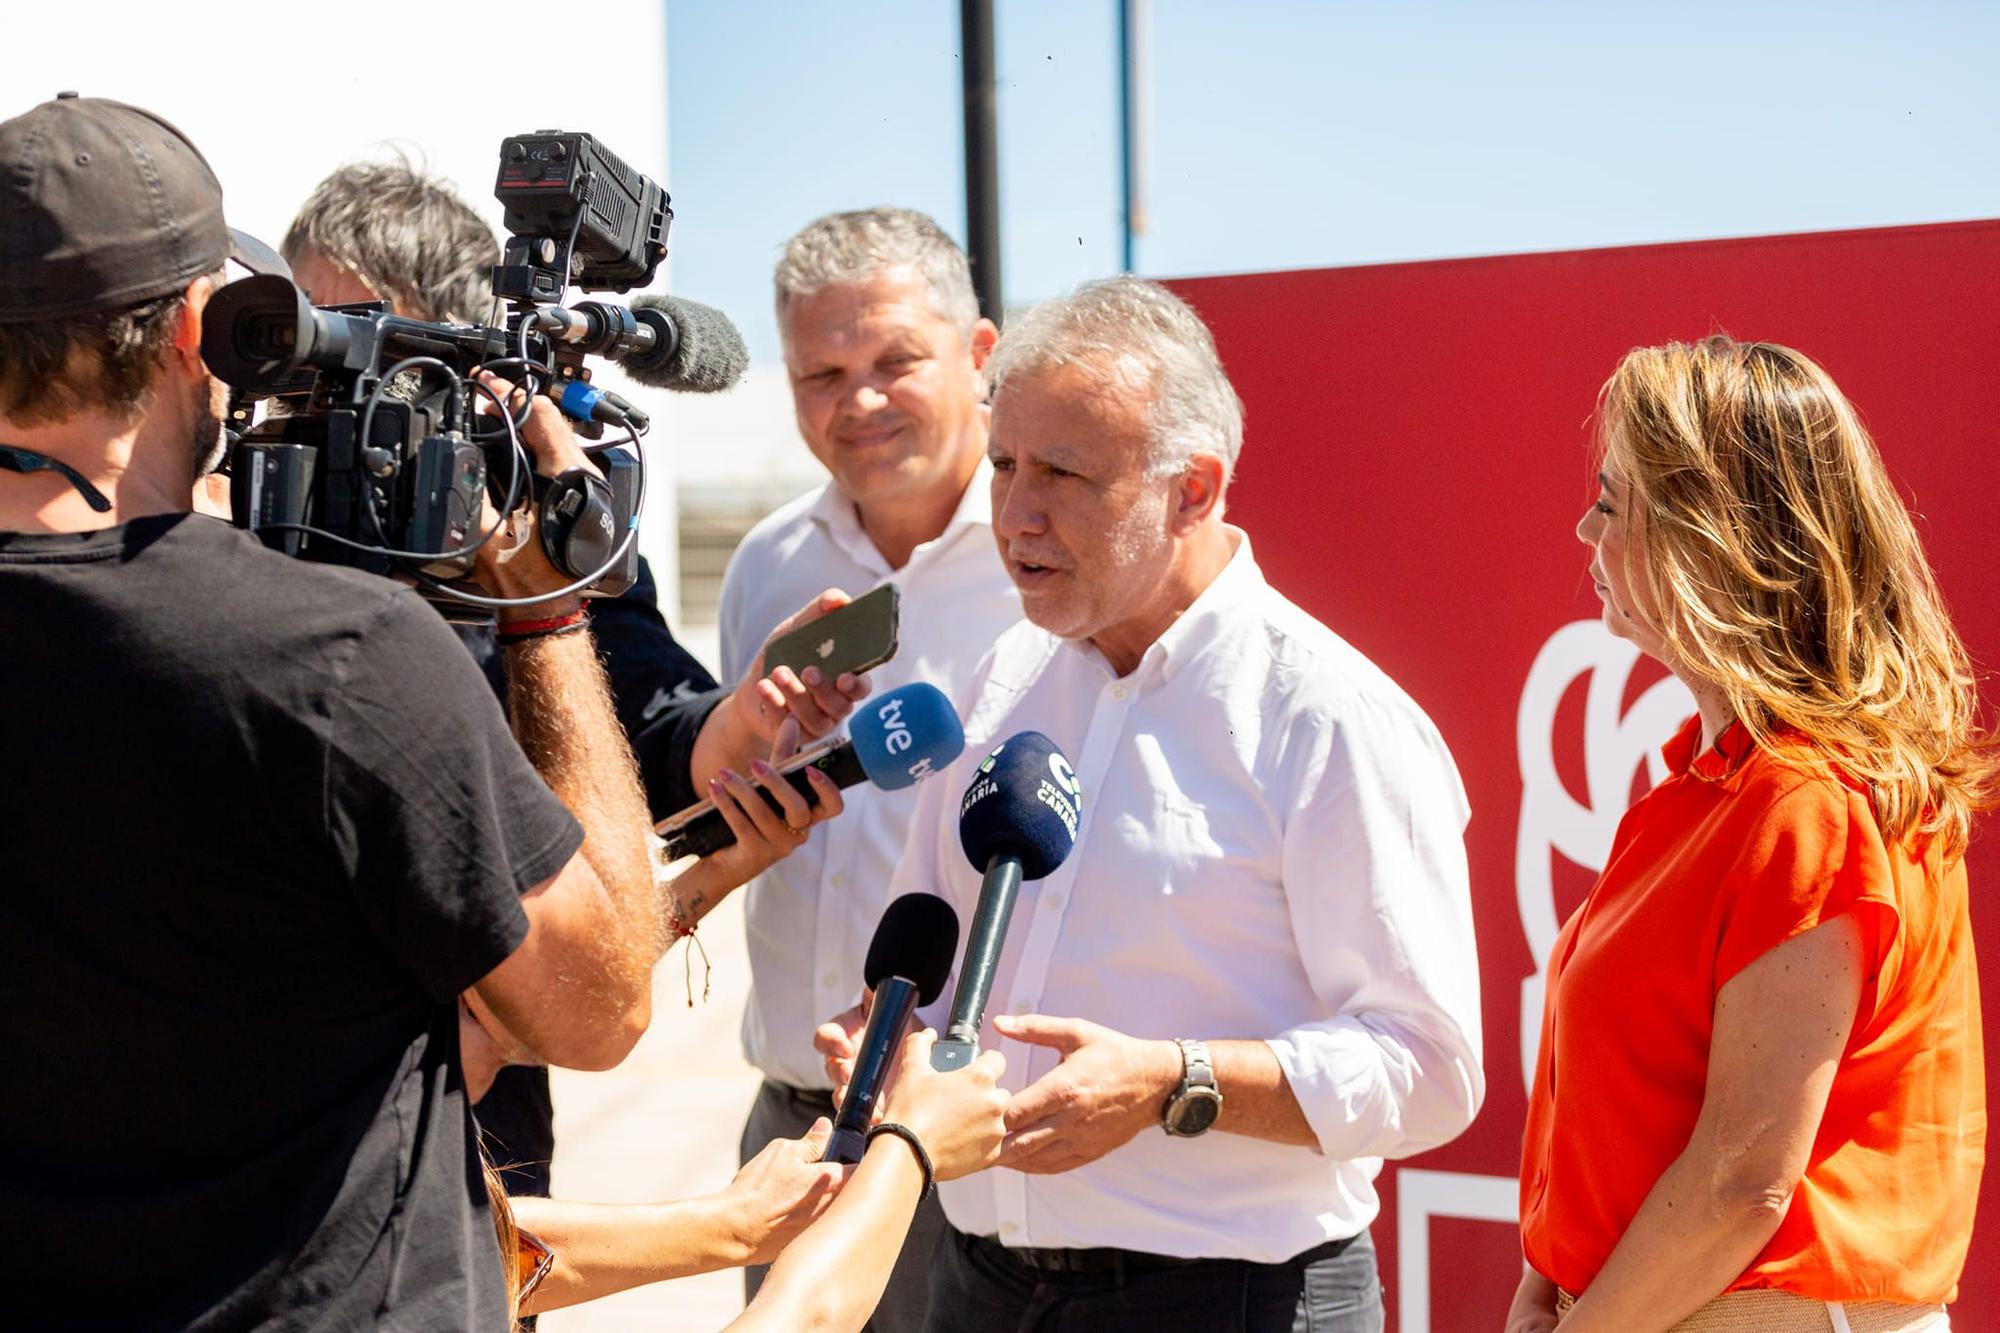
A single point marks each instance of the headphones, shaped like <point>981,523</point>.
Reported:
<point>577,528</point>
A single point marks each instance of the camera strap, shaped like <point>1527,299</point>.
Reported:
<point>13,458</point>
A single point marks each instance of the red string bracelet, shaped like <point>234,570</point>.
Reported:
<point>521,631</point>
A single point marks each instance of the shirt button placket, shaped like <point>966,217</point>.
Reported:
<point>831,925</point>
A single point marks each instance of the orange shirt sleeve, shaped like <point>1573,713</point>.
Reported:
<point>1813,854</point>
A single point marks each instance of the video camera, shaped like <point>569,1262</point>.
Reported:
<point>375,456</point>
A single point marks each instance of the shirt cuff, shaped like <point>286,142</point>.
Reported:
<point>1370,1090</point>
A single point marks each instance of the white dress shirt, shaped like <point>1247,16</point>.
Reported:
<point>811,916</point>
<point>1271,848</point>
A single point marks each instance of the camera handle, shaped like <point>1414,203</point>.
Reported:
<point>532,270</point>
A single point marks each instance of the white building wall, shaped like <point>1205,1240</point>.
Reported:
<point>276,96</point>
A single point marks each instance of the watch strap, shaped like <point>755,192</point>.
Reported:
<point>1197,1070</point>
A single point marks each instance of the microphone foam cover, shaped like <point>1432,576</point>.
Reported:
<point>711,356</point>
<point>906,735</point>
<point>1024,799</point>
<point>916,939</point>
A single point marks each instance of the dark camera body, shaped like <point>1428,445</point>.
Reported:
<point>375,456</point>
<point>291,473</point>
<point>554,184</point>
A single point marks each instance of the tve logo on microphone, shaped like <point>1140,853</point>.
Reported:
<point>896,737</point>
<point>907,735</point>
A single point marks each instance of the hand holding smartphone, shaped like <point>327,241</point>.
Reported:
<point>858,637</point>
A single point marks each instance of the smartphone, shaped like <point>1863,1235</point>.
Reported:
<point>858,637</point>
<point>687,833</point>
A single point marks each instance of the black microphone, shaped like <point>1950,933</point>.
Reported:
<point>695,347</point>
<point>1017,822</point>
<point>899,739</point>
<point>908,961</point>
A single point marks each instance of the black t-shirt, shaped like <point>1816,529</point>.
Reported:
<point>260,823</point>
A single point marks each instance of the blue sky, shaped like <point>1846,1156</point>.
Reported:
<point>1289,135</point>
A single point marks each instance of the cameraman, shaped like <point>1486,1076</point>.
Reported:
<point>387,232</point>
<point>262,823</point>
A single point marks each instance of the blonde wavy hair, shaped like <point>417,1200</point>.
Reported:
<point>1786,572</point>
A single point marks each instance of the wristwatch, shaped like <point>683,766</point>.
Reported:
<point>1197,1102</point>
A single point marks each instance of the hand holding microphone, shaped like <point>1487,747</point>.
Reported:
<point>1017,821</point>
<point>893,742</point>
<point>768,816</point>
<point>908,961</point>
<point>960,1117</point>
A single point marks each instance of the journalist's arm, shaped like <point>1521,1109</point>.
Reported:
<point>577,992</point>
<point>831,1277</point>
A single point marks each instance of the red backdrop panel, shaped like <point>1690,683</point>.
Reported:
<point>1415,466</point>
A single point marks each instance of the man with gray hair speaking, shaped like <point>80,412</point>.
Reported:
<point>884,345</point>
<point>1254,978</point>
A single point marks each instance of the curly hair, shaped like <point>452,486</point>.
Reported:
<point>1787,573</point>
<point>407,235</point>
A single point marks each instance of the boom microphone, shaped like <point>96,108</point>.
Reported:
<point>1017,821</point>
<point>663,342</point>
<point>695,349</point>
<point>908,960</point>
<point>893,742</point>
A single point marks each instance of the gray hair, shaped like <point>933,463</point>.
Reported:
<point>407,235</point>
<point>1129,328</point>
<point>853,247</point>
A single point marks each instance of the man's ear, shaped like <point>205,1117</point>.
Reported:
<point>985,333</point>
<point>187,329</point>
<point>1198,492</point>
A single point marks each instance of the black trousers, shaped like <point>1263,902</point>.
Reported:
<point>977,1286</point>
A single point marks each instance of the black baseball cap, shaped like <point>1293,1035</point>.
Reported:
<point>105,206</point>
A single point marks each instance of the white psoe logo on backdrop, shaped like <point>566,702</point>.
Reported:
<point>1552,820</point>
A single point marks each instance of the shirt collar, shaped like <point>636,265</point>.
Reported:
<point>1720,760</point>
<point>837,514</point>
<point>1198,627</point>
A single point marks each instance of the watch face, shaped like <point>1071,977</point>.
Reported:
<point>1192,1112</point>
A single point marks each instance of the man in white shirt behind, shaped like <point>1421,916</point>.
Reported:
<point>1270,868</point>
<point>884,344</point>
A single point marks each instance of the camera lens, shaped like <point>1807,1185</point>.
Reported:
<point>266,337</point>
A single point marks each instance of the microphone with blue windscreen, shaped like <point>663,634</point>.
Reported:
<point>908,961</point>
<point>894,741</point>
<point>1017,821</point>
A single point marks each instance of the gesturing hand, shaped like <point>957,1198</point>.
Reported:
<point>1107,1089</point>
<point>838,1040</point>
<point>782,1189</point>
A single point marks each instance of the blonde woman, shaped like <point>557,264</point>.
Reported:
<point>1760,1102</point>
